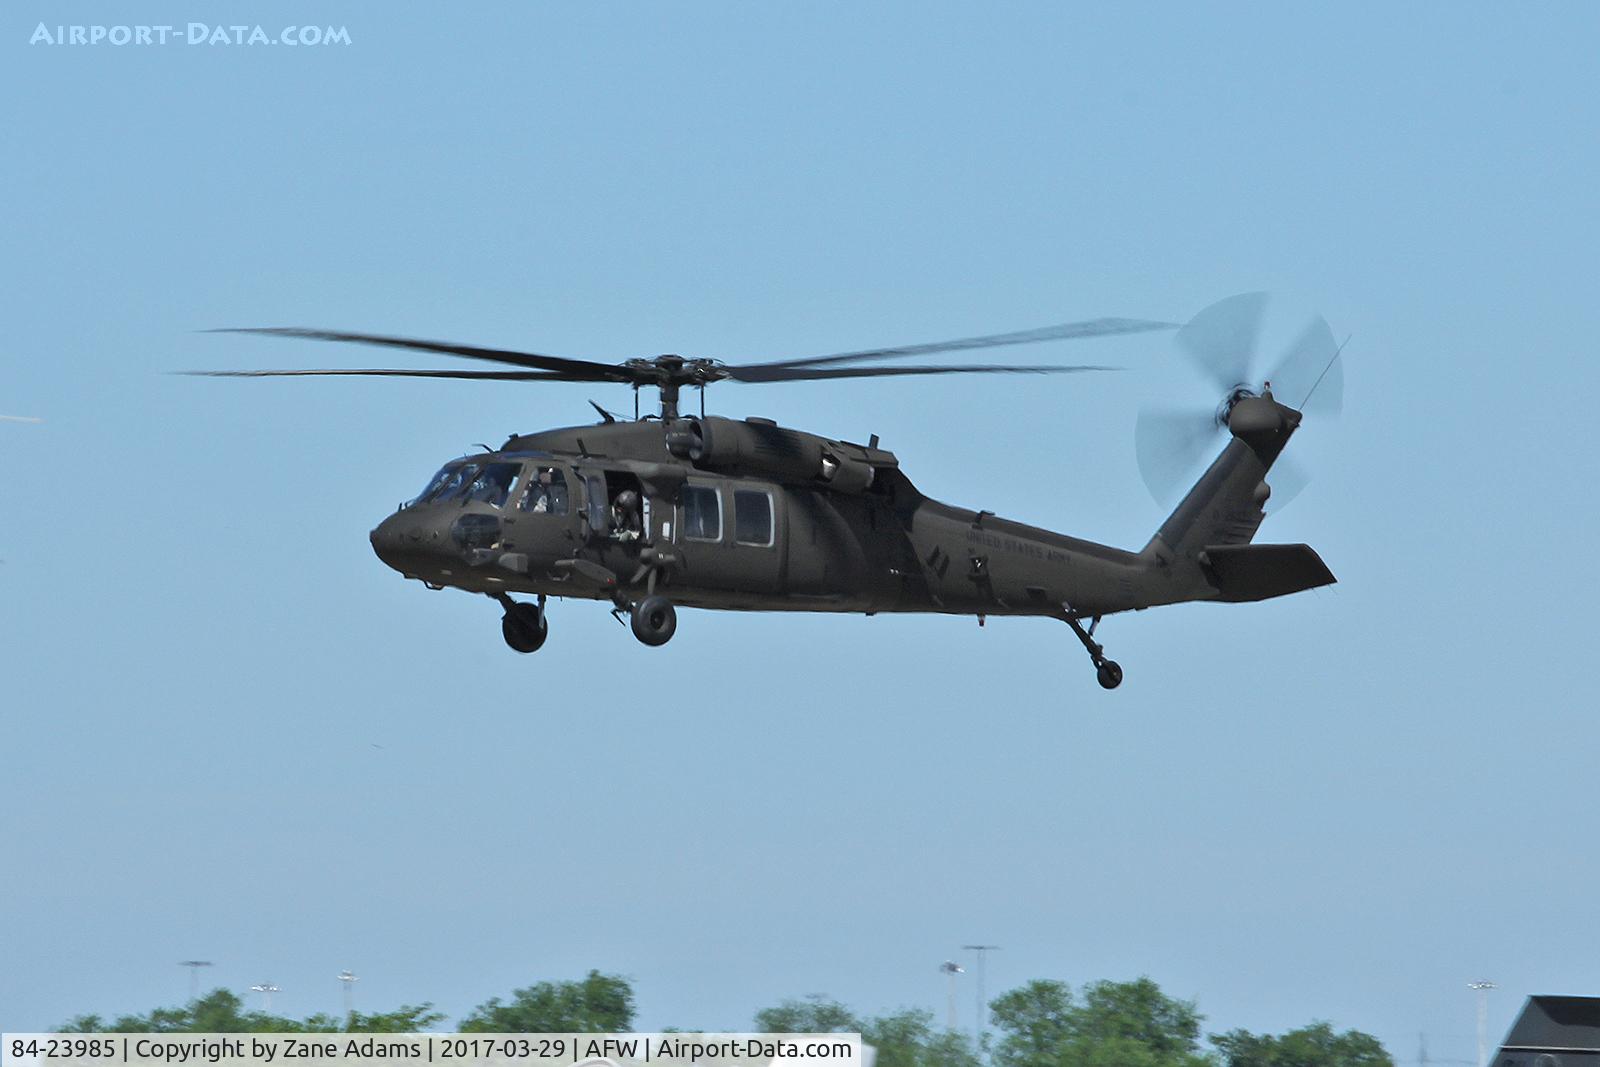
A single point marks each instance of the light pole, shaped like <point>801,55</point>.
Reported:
<point>349,981</point>
<point>194,975</point>
<point>951,969</point>
<point>266,989</point>
<point>982,1024</point>
<point>1483,985</point>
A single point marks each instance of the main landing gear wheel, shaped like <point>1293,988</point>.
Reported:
<point>1108,672</point>
<point>524,626</point>
<point>654,620</point>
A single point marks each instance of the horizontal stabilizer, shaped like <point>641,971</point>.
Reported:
<point>1260,572</point>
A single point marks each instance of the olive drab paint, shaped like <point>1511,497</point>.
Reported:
<point>671,511</point>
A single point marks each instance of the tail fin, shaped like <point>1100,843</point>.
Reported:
<point>1222,512</point>
<point>1224,507</point>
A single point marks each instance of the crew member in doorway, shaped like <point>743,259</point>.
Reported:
<point>625,518</point>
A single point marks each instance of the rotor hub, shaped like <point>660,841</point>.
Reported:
<point>1229,402</point>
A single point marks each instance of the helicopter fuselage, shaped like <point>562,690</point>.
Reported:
<point>749,516</point>
<point>718,513</point>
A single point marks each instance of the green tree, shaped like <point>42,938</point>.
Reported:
<point>598,1003</point>
<point>1036,1021</point>
<point>907,1038</point>
<point>1316,1045</point>
<point>949,1048</point>
<point>406,1019</point>
<point>904,1038</point>
<point>1117,1024</point>
<point>222,1012</point>
<point>1140,1013</point>
<point>813,1015</point>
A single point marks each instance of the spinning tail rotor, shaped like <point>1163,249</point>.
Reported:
<point>1221,343</point>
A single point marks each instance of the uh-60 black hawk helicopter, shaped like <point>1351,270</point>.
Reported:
<point>701,511</point>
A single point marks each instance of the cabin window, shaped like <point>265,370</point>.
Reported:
<point>752,517</point>
<point>493,484</point>
<point>546,493</point>
<point>702,513</point>
<point>595,503</point>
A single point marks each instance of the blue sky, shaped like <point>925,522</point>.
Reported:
<point>1341,805</point>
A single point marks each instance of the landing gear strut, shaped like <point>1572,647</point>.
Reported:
<point>1106,671</point>
<point>524,625</point>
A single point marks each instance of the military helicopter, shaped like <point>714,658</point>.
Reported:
<point>676,510</point>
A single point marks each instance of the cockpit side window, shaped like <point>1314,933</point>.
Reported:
<point>493,484</point>
<point>546,492</point>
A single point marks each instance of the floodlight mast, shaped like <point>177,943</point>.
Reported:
<point>1482,986</point>
<point>981,1025</point>
<point>194,975</point>
<point>951,969</point>
<point>266,989</point>
<point>348,980</point>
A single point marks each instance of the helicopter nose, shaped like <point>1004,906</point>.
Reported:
<point>402,542</point>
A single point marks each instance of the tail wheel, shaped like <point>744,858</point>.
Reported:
<point>654,620</point>
<point>1109,674</point>
<point>524,627</point>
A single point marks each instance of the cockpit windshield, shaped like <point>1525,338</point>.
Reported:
<point>435,484</point>
<point>448,483</point>
<point>493,484</point>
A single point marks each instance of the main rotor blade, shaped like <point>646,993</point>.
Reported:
<point>1221,340</point>
<point>1065,331</point>
<point>763,373</point>
<point>471,375</point>
<point>1310,375</point>
<point>1170,445</point>
<point>594,372</point>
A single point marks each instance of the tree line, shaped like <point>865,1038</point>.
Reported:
<point>1041,1024</point>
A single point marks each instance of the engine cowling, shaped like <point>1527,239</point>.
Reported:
<point>765,449</point>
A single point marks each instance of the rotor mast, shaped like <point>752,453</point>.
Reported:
<point>669,374</point>
<point>670,381</point>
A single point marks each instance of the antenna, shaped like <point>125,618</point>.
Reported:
<point>981,1025</point>
<point>1482,986</point>
<point>951,969</point>
<point>194,975</point>
<point>1336,354</point>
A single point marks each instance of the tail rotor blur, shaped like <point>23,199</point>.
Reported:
<point>1221,344</point>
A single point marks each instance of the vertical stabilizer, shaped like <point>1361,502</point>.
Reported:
<point>1224,507</point>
